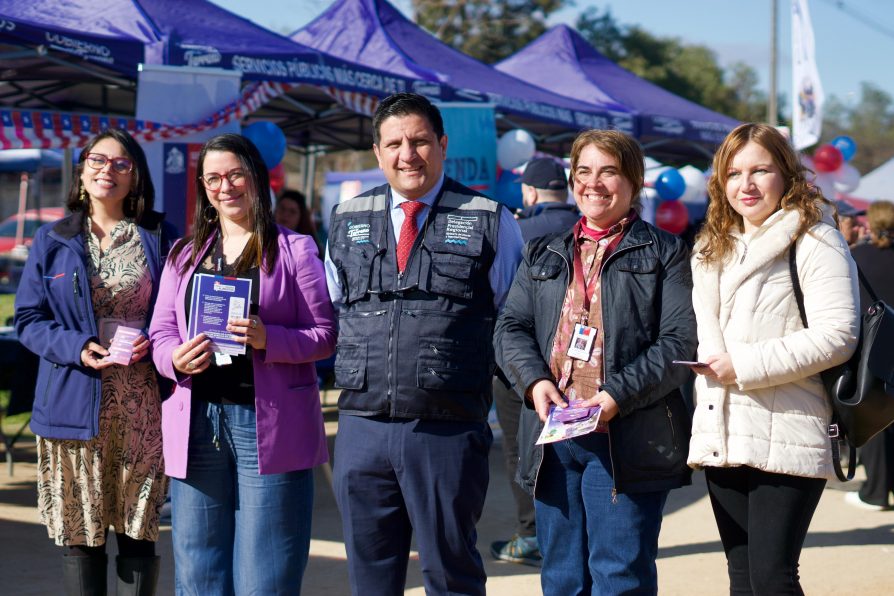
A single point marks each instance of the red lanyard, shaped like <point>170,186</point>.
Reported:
<point>585,288</point>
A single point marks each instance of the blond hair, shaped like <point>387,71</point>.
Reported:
<point>881,223</point>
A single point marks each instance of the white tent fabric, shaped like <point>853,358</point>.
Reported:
<point>877,184</point>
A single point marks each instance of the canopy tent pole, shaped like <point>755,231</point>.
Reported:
<point>23,202</point>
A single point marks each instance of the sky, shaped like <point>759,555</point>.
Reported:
<point>854,38</point>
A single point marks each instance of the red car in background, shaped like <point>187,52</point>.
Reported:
<point>34,218</point>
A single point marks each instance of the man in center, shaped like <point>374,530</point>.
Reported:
<point>418,269</point>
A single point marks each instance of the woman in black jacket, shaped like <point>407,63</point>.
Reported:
<point>596,317</point>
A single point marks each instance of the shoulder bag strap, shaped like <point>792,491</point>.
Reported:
<point>834,428</point>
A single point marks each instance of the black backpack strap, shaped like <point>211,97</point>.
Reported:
<point>835,435</point>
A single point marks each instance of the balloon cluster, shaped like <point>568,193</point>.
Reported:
<point>833,172</point>
<point>676,189</point>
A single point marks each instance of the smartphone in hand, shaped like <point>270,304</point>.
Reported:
<point>690,363</point>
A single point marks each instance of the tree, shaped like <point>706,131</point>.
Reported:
<point>870,123</point>
<point>488,30</point>
<point>688,70</point>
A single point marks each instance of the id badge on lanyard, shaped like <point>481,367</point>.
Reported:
<point>580,347</point>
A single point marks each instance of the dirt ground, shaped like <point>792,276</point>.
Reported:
<point>848,550</point>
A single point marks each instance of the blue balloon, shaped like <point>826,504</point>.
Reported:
<point>508,190</point>
<point>846,145</point>
<point>670,185</point>
<point>269,139</point>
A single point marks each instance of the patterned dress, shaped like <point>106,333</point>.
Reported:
<point>117,478</point>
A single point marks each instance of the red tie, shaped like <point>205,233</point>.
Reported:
<point>408,232</point>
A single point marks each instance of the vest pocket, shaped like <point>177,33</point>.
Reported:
<point>452,275</point>
<point>444,365</point>
<point>350,363</point>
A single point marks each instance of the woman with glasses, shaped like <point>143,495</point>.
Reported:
<point>595,318</point>
<point>242,432</point>
<point>90,277</point>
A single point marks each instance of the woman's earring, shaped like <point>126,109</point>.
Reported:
<point>83,194</point>
<point>211,216</point>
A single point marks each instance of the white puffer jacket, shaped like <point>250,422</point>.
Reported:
<point>775,416</point>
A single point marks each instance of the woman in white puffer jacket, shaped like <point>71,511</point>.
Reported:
<point>761,417</point>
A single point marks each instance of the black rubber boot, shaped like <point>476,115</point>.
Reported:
<point>85,576</point>
<point>137,576</point>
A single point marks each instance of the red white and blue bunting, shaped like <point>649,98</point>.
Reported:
<point>33,129</point>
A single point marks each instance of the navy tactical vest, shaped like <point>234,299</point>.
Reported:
<point>418,344</point>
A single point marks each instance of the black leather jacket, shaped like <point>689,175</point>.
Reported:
<point>647,321</point>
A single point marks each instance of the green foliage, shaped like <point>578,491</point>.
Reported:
<point>688,70</point>
<point>488,30</point>
<point>870,122</point>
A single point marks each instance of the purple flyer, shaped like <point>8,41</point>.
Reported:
<point>215,300</point>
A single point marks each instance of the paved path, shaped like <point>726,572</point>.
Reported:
<point>848,550</point>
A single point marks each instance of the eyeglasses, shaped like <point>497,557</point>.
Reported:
<point>120,165</point>
<point>214,181</point>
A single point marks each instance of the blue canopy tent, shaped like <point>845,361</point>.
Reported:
<point>374,33</point>
<point>67,57</point>
<point>670,126</point>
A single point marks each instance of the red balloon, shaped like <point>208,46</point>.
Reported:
<point>827,158</point>
<point>672,216</point>
<point>277,178</point>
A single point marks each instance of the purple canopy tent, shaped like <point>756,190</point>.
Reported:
<point>70,56</point>
<point>671,127</point>
<point>64,56</point>
<point>374,33</point>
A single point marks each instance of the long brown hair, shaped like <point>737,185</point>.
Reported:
<point>716,242</point>
<point>141,197</point>
<point>262,248</point>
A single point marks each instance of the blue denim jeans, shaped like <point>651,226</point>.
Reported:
<point>591,545</point>
<point>236,531</point>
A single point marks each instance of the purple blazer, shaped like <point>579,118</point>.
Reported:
<point>295,308</point>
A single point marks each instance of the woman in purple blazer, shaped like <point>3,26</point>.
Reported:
<point>242,432</point>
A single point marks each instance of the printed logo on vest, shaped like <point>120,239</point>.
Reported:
<point>358,233</point>
<point>459,228</point>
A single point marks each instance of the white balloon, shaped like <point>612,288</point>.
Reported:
<point>847,178</point>
<point>826,183</point>
<point>515,148</point>
<point>649,200</point>
<point>696,185</point>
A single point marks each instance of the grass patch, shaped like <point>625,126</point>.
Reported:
<point>12,424</point>
<point>7,307</point>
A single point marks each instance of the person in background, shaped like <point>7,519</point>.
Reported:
<point>292,213</point>
<point>547,211</point>
<point>760,428</point>
<point>853,232</point>
<point>876,260</point>
<point>99,451</point>
<point>626,286</point>
<point>419,269</point>
<point>242,433</point>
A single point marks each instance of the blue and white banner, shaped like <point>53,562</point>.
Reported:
<point>807,91</point>
<point>471,145</point>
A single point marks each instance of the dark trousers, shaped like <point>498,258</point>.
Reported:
<point>763,520</point>
<point>509,407</point>
<point>394,477</point>
<point>877,457</point>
